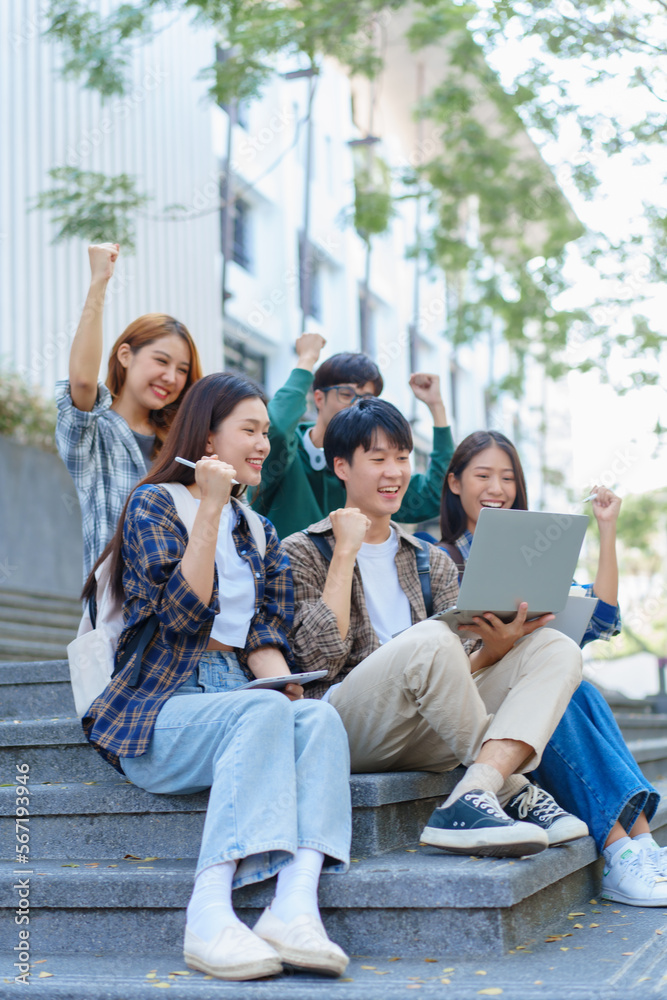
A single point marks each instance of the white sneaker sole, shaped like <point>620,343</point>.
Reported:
<point>239,972</point>
<point>565,830</point>
<point>323,962</point>
<point>614,896</point>
<point>495,842</point>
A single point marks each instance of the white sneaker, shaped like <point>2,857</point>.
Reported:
<point>303,943</point>
<point>533,805</point>
<point>633,878</point>
<point>657,854</point>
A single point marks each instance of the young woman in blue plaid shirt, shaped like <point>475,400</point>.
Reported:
<point>586,765</point>
<point>277,765</point>
<point>108,435</point>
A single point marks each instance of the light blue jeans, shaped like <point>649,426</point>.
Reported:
<point>278,770</point>
<point>589,770</point>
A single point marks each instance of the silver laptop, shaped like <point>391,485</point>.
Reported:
<point>518,555</point>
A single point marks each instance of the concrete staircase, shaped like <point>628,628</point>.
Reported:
<point>36,626</point>
<point>112,866</point>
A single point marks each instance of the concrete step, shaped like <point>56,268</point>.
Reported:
<point>27,617</point>
<point>408,902</point>
<point>46,603</point>
<point>29,649</point>
<point>114,818</point>
<point>59,633</point>
<point>638,726</point>
<point>35,690</point>
<point>651,755</point>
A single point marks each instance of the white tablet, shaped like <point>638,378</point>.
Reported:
<point>280,682</point>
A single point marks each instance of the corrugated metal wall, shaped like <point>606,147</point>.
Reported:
<point>160,132</point>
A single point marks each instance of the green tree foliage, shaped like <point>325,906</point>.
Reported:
<point>491,198</point>
<point>85,203</point>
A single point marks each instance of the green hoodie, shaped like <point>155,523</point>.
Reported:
<point>293,494</point>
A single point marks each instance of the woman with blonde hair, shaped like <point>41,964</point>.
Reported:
<point>108,434</point>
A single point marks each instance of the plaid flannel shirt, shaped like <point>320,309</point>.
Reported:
<point>316,641</point>
<point>120,722</point>
<point>104,460</point>
<point>605,621</point>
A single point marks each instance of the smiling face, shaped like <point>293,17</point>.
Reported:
<point>487,481</point>
<point>376,480</point>
<point>157,372</point>
<point>242,440</point>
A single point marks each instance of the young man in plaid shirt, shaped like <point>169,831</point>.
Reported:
<point>424,699</point>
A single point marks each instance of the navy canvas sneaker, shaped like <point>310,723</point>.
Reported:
<point>533,805</point>
<point>475,824</point>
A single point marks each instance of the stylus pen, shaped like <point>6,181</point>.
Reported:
<point>191,465</point>
<point>585,500</point>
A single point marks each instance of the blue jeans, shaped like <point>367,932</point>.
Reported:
<point>278,770</point>
<point>589,770</point>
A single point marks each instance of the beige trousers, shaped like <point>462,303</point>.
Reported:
<point>413,704</point>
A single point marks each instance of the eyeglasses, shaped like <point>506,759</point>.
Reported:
<point>346,394</point>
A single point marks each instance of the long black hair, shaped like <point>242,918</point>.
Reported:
<point>205,405</point>
<point>453,518</point>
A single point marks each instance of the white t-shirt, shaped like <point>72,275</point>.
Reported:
<point>387,604</point>
<point>236,586</point>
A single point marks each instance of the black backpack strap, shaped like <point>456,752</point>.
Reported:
<point>318,541</point>
<point>424,569</point>
<point>455,555</point>
<point>137,644</point>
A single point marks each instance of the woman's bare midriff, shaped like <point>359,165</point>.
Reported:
<point>214,644</point>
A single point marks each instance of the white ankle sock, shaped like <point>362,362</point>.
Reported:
<point>482,776</point>
<point>210,907</point>
<point>296,891</point>
<point>511,787</point>
<point>613,849</point>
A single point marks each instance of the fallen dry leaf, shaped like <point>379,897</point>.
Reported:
<point>44,975</point>
<point>627,953</point>
<point>394,959</point>
<point>449,970</point>
<point>593,925</point>
<point>577,914</point>
<point>492,991</point>
<point>368,966</point>
<point>578,926</point>
<point>480,972</point>
<point>180,973</point>
<point>565,949</point>
<point>165,986</point>
<point>430,959</point>
<point>40,962</point>
<point>131,857</point>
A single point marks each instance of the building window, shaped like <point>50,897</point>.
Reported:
<point>241,247</point>
<point>238,357</point>
<point>310,280</point>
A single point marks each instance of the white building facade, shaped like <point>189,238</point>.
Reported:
<point>168,134</point>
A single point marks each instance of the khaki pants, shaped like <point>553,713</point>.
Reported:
<point>413,704</point>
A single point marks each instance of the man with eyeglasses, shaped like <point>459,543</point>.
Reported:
<point>297,489</point>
